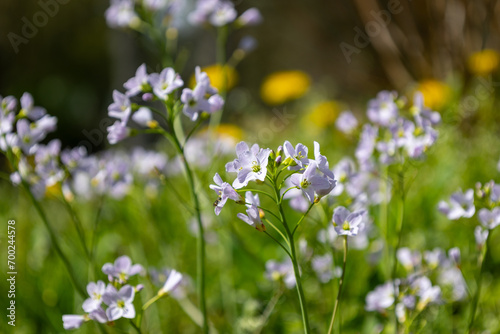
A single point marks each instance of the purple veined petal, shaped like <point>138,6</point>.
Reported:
<point>310,170</point>
<point>231,167</point>
<point>296,179</point>
<point>340,215</point>
<point>244,176</point>
<point>218,180</point>
<point>92,288</point>
<point>241,148</point>
<point>110,295</point>
<point>99,315</point>
<point>108,269</point>
<point>123,264</point>
<point>126,293</point>
<point>263,157</point>
<point>72,321</point>
<point>173,280</point>
<point>319,182</point>
<point>255,149</point>
<point>114,312</point>
<point>309,192</point>
<point>245,218</point>
<point>136,269</point>
<point>128,311</point>
<point>216,102</point>
<point>288,149</point>
<point>91,304</point>
<point>455,212</point>
<point>355,218</point>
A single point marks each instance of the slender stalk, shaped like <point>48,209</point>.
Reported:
<point>302,218</point>
<point>279,243</point>
<point>78,226</point>
<point>93,243</point>
<point>54,241</point>
<point>137,329</point>
<point>200,272</point>
<point>151,302</point>
<point>399,233</point>
<point>293,258</point>
<point>477,295</point>
<point>341,284</point>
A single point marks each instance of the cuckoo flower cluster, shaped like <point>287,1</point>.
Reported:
<point>415,292</point>
<point>397,130</point>
<point>144,90</point>
<point>312,177</point>
<point>137,14</point>
<point>464,205</point>
<point>109,302</point>
<point>222,12</point>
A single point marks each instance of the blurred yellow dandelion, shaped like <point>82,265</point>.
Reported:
<point>324,114</point>
<point>216,74</point>
<point>483,62</point>
<point>436,93</point>
<point>280,87</point>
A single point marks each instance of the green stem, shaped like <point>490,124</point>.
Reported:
<point>256,191</point>
<point>477,295</point>
<point>279,243</point>
<point>399,233</point>
<point>302,218</point>
<point>293,258</point>
<point>137,329</point>
<point>78,226</point>
<point>341,284</point>
<point>201,235</point>
<point>151,302</point>
<point>54,241</point>
<point>93,243</point>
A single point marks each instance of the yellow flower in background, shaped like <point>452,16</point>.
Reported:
<point>215,73</point>
<point>324,114</point>
<point>436,93</point>
<point>280,87</point>
<point>230,131</point>
<point>226,131</point>
<point>483,62</point>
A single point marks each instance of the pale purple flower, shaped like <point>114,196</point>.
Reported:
<point>143,116</point>
<point>28,136</point>
<point>346,122</point>
<point>424,117</point>
<point>252,217</point>
<point>343,170</point>
<point>251,164</point>
<point>120,303</point>
<point>411,260</point>
<point>223,14</point>
<point>121,14</point>
<point>381,298</point>
<point>117,132</point>
<point>427,293</point>
<point>481,235</point>
<point>454,255</point>
<point>195,101</point>
<point>452,276</point>
<point>347,223</point>
<point>73,321</point>
<point>28,108</point>
<point>122,269</point>
<point>366,144</point>
<point>310,182</point>
<point>461,205</point>
<point>383,110</point>
<point>435,257</point>
<point>489,218</point>
<point>172,282</point>
<point>224,192</point>
<point>323,267</point>
<point>99,315</point>
<point>295,157</point>
<point>250,17</point>
<point>277,271</point>
<point>203,9</point>
<point>95,291</point>
<point>120,108</point>
<point>165,83</point>
<point>247,44</point>
<point>298,201</point>
<point>138,83</point>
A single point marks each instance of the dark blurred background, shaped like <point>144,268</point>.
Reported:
<point>74,61</point>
